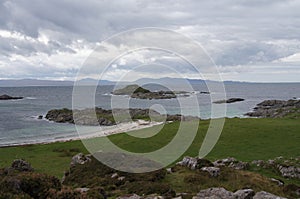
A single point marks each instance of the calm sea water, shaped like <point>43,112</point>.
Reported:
<point>19,123</point>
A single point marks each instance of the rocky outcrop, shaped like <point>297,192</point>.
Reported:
<point>244,194</point>
<point>109,117</point>
<point>221,193</point>
<point>213,171</point>
<point>217,192</point>
<point>7,97</point>
<point>21,165</point>
<point>266,195</point>
<point>194,163</point>
<point>232,163</point>
<point>135,91</point>
<point>230,100</point>
<point>287,168</point>
<point>289,171</point>
<point>276,109</point>
<point>80,159</point>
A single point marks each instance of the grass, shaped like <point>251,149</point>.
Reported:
<point>245,139</point>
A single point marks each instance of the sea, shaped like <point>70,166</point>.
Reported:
<point>19,123</point>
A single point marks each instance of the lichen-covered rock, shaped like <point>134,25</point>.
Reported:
<point>289,171</point>
<point>21,165</point>
<point>224,162</point>
<point>133,196</point>
<point>244,194</point>
<point>195,163</point>
<point>266,195</point>
<point>80,159</point>
<point>220,193</point>
<point>213,171</point>
<point>239,165</point>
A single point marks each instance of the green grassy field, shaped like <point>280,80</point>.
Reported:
<point>245,139</point>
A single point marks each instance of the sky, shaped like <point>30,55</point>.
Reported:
<point>256,41</point>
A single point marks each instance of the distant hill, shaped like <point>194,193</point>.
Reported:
<point>36,82</point>
<point>90,81</point>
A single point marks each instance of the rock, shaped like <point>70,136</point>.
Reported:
<point>169,170</point>
<point>289,171</point>
<point>195,163</point>
<point>121,178</point>
<point>219,193</point>
<point>266,195</point>
<point>224,162</point>
<point>40,117</point>
<point>213,171</point>
<point>99,116</point>
<point>228,101</point>
<point>133,196</point>
<point>204,92</point>
<point>244,194</point>
<point>82,190</point>
<point>258,163</point>
<point>21,165</point>
<point>239,165</point>
<point>135,91</point>
<point>114,175</point>
<point>276,109</point>
<point>278,182</point>
<point>7,97</point>
<point>79,159</point>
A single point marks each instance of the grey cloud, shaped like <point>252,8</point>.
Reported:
<point>234,32</point>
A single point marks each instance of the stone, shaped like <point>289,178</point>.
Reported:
<point>258,163</point>
<point>79,159</point>
<point>133,196</point>
<point>21,165</point>
<point>213,171</point>
<point>228,101</point>
<point>121,178</point>
<point>82,190</point>
<point>224,162</point>
<point>244,194</point>
<point>195,163</point>
<point>276,109</point>
<point>219,193</point>
<point>40,117</point>
<point>266,195</point>
<point>114,175</point>
<point>278,182</point>
<point>239,165</point>
<point>169,170</point>
<point>289,171</point>
<point>7,97</point>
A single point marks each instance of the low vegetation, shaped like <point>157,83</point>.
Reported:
<point>245,139</point>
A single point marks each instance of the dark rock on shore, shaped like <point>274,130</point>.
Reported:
<point>231,100</point>
<point>276,109</point>
<point>135,91</point>
<point>7,97</point>
<point>110,117</point>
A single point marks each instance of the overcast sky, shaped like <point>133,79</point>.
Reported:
<point>257,40</point>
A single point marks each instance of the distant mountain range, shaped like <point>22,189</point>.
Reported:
<point>36,82</point>
<point>89,81</point>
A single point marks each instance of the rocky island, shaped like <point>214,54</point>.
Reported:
<point>230,100</point>
<point>135,91</point>
<point>7,97</point>
<point>276,109</point>
<point>109,117</point>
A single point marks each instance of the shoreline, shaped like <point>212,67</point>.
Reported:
<point>107,131</point>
